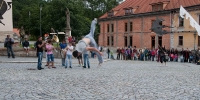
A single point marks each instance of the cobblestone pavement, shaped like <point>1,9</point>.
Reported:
<point>114,80</point>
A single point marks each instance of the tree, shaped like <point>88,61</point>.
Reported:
<point>26,13</point>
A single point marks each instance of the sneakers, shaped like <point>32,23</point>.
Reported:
<point>84,66</point>
<point>88,67</point>
<point>70,67</point>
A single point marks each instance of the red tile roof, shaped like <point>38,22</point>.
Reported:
<point>144,5</point>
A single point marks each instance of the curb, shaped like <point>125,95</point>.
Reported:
<point>42,62</point>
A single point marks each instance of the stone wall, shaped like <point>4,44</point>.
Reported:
<point>4,33</point>
<point>19,52</point>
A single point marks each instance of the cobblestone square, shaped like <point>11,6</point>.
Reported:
<point>114,80</point>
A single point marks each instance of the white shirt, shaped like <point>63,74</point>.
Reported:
<point>70,49</point>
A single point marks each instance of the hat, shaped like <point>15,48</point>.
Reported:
<point>80,47</point>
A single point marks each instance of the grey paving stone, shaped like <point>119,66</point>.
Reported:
<point>114,80</point>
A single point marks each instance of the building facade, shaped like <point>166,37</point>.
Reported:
<point>129,24</point>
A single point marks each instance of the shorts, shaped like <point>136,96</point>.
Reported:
<point>80,56</point>
<point>50,58</point>
<point>80,47</point>
<point>26,47</point>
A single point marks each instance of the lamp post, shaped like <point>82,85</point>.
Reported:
<point>40,20</point>
<point>195,34</point>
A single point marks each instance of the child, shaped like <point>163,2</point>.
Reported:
<point>50,56</point>
<point>69,49</point>
<point>111,55</point>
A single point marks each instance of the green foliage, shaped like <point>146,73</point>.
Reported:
<point>26,13</point>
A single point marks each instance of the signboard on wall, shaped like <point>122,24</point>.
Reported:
<point>6,21</point>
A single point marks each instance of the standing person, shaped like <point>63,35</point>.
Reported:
<point>50,56</point>
<point>39,46</point>
<point>162,53</point>
<point>63,45</point>
<point>118,53</point>
<point>46,42</point>
<point>89,44</point>
<point>153,53</point>
<point>8,44</point>
<point>69,49</point>
<point>86,59</point>
<point>26,46</point>
<point>108,52</point>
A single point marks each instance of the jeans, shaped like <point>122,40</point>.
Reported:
<point>108,55</point>
<point>50,58</point>
<point>153,56</point>
<point>9,49</point>
<point>86,59</point>
<point>40,54</point>
<point>92,41</point>
<point>68,57</point>
<point>63,61</point>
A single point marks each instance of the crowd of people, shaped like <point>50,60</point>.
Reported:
<point>160,54</point>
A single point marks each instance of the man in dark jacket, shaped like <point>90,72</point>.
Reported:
<point>26,46</point>
<point>8,44</point>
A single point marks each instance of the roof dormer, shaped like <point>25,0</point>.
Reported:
<point>159,6</point>
<point>112,13</point>
<point>130,10</point>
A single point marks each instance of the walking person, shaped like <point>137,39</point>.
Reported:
<point>68,58</point>
<point>63,45</point>
<point>89,44</point>
<point>8,44</point>
<point>39,46</point>
<point>26,46</point>
<point>50,56</point>
<point>86,59</point>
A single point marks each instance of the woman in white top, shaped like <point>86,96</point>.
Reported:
<point>69,49</point>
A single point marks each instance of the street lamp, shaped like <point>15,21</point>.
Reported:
<point>40,20</point>
<point>195,34</point>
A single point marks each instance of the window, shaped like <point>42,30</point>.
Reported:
<point>152,21</point>
<point>112,27</point>
<point>198,40</point>
<point>157,7</point>
<point>110,14</point>
<point>180,42</point>
<point>181,21</point>
<point>108,27</point>
<point>108,42</point>
<point>199,19</point>
<point>112,40</point>
<point>125,41</point>
<point>126,28</point>
<point>131,26</point>
<point>160,23</point>
<point>160,41</point>
<point>128,11</point>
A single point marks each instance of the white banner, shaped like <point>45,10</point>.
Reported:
<point>6,20</point>
<point>193,23</point>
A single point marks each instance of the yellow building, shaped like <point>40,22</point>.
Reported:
<point>183,34</point>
